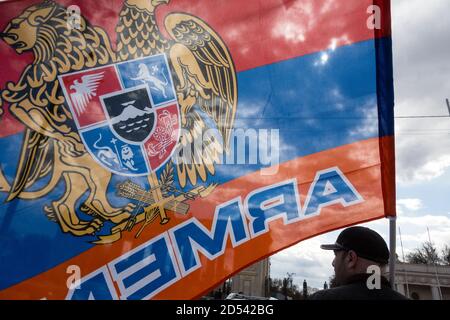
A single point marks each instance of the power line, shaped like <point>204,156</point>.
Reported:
<point>422,134</point>
<point>424,117</point>
<point>420,117</point>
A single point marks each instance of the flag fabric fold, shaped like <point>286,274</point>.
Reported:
<point>152,149</point>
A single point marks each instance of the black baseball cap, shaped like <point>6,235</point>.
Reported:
<point>367,244</point>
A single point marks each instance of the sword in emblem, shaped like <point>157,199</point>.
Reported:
<point>156,205</point>
<point>113,141</point>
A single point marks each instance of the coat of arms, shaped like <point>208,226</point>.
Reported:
<point>126,113</point>
<point>91,111</point>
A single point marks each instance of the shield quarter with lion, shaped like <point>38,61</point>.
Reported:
<point>127,113</point>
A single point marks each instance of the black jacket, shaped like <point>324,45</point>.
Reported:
<point>356,289</point>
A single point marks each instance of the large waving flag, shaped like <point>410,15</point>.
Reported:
<point>151,149</point>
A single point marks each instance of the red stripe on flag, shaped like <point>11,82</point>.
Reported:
<point>263,32</point>
<point>256,32</point>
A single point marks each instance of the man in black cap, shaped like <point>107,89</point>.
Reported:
<point>358,251</point>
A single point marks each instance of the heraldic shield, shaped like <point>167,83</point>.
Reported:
<point>127,113</point>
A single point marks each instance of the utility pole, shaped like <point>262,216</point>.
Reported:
<point>392,247</point>
<point>448,106</point>
<point>435,269</point>
<point>404,261</point>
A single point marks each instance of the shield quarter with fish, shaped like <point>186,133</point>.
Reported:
<point>127,113</point>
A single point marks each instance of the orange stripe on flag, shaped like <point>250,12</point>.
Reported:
<point>358,161</point>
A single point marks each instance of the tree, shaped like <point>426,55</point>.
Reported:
<point>332,281</point>
<point>287,284</point>
<point>446,255</point>
<point>427,254</point>
<point>286,287</point>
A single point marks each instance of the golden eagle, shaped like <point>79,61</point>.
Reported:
<point>205,83</point>
<point>204,76</point>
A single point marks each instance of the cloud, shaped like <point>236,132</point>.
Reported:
<point>306,260</point>
<point>433,169</point>
<point>421,70</point>
<point>309,262</point>
<point>414,231</point>
<point>421,81</point>
<point>410,204</point>
<point>368,127</point>
<point>287,27</point>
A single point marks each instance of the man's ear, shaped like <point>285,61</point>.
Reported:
<point>351,259</point>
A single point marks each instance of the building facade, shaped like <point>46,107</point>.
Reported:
<point>252,281</point>
<point>423,282</point>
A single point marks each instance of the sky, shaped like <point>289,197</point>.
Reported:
<point>421,50</point>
